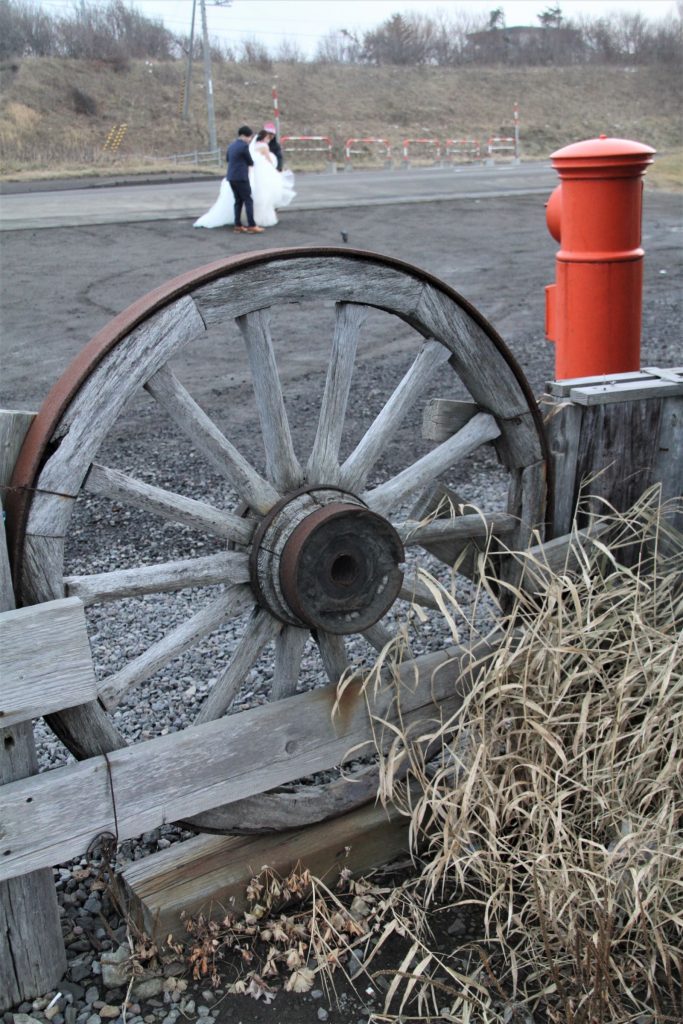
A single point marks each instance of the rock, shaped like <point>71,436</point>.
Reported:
<point>94,1018</point>
<point>70,988</point>
<point>203,1011</point>
<point>109,1012</point>
<point>317,993</point>
<point>115,971</point>
<point>92,994</point>
<point>24,1018</point>
<point>457,927</point>
<point>80,971</point>
<point>322,1013</point>
<point>148,988</point>
<point>54,1010</point>
<point>174,968</point>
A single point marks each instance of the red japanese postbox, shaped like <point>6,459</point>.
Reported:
<point>594,309</point>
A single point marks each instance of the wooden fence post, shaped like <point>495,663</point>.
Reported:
<point>32,955</point>
<point>614,437</point>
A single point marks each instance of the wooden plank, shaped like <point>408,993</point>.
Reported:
<point>282,465</point>
<point>443,417</point>
<point>323,463</point>
<point>617,450</point>
<point>198,515</point>
<point>541,563</point>
<point>209,873</point>
<point>167,390</point>
<point>14,426</point>
<point>207,570</point>
<point>628,391</point>
<point>45,660</point>
<point>32,955</point>
<point>355,470</point>
<point>563,388</point>
<point>175,776</point>
<point>233,602</point>
<point>480,429</point>
<point>563,422</point>
<point>667,467</point>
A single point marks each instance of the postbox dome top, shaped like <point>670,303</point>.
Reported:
<point>603,153</point>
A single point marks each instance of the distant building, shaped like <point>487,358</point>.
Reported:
<point>525,44</point>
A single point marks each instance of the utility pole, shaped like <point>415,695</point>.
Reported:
<point>208,83</point>
<point>188,76</point>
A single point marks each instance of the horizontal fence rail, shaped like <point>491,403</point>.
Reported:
<point>311,144</point>
<point>382,145</point>
<point>432,147</point>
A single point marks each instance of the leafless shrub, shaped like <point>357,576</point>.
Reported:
<point>252,51</point>
<point>83,103</point>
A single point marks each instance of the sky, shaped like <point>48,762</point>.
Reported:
<point>305,21</point>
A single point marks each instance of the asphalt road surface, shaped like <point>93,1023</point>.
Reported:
<point>482,231</point>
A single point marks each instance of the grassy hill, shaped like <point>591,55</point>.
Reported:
<point>55,114</point>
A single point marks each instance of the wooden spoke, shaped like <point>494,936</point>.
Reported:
<point>167,390</point>
<point>416,592</point>
<point>378,636</point>
<point>466,527</point>
<point>289,649</point>
<point>480,429</point>
<point>323,464</point>
<point>223,567</point>
<point>333,654</point>
<point>282,465</point>
<point>354,472</point>
<point>110,483</point>
<point>261,628</point>
<point>235,600</point>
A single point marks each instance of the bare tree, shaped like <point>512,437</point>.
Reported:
<point>339,47</point>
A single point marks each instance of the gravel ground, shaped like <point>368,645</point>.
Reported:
<point>496,253</point>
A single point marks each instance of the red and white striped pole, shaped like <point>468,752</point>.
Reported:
<point>515,116</point>
<point>276,110</point>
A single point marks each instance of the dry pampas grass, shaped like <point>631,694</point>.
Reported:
<point>556,803</point>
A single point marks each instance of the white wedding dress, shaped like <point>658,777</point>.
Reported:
<point>270,188</point>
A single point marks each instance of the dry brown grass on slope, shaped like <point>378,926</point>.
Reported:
<point>43,104</point>
<point>557,805</point>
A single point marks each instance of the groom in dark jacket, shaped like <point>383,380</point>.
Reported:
<point>239,161</point>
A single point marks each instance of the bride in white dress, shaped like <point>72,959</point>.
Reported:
<point>271,189</point>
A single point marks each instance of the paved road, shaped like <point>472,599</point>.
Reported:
<point>129,203</point>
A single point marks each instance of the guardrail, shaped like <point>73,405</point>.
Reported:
<point>206,156</point>
<point>429,144</point>
<point>463,149</point>
<point>324,147</point>
<point>501,144</point>
<point>349,150</point>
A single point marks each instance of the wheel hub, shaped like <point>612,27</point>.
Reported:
<point>322,560</point>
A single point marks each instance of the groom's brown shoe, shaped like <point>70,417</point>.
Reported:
<point>239,229</point>
<point>254,231</point>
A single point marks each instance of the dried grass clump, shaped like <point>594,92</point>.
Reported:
<point>557,802</point>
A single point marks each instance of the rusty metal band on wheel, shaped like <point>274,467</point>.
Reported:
<point>36,447</point>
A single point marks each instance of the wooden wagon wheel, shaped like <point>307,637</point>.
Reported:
<point>317,551</point>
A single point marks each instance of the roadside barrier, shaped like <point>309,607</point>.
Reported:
<point>349,151</point>
<point>430,146</point>
<point>461,149</point>
<point>501,144</point>
<point>208,156</point>
<point>319,144</point>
